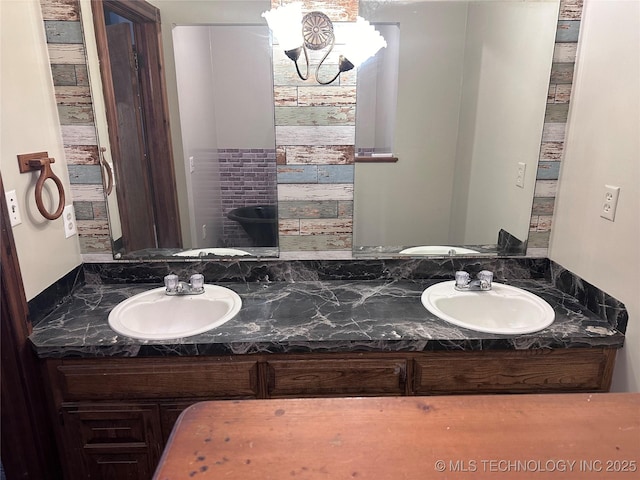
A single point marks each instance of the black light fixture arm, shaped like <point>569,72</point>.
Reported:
<point>344,65</point>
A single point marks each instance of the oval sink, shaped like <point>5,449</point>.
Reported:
<point>153,315</point>
<point>504,309</point>
<point>203,252</point>
<point>437,250</point>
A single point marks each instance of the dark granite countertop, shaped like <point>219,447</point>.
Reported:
<point>313,316</point>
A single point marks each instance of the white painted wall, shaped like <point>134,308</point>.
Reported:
<point>29,123</point>
<point>242,85</point>
<point>507,65</point>
<point>376,94</point>
<point>408,202</point>
<point>603,147</point>
<point>194,73</point>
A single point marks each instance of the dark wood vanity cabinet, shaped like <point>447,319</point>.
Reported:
<point>514,371</point>
<point>297,377</point>
<point>115,415</point>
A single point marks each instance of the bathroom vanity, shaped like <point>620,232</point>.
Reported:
<point>115,415</point>
<point>324,330</point>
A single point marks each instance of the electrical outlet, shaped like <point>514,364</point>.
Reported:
<point>522,170</point>
<point>609,202</point>
<point>14,209</point>
<point>69,219</point>
<point>192,165</point>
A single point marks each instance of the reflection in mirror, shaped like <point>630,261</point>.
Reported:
<point>472,88</point>
<point>472,81</point>
<point>144,205</point>
<point>222,127</point>
<point>377,91</point>
<point>226,121</point>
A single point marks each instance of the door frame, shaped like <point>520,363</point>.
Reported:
<point>147,28</point>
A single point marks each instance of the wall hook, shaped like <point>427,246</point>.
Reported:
<point>32,162</point>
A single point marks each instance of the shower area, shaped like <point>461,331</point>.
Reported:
<point>225,96</point>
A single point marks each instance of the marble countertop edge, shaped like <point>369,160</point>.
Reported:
<point>313,316</point>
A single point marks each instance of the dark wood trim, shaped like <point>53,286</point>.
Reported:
<point>368,159</point>
<point>28,445</point>
<point>156,114</point>
<point>160,161</point>
<point>135,10</point>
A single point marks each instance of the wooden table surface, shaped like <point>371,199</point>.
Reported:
<point>578,436</point>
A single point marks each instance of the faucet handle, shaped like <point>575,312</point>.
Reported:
<point>485,277</point>
<point>462,278</point>
<point>171,282</point>
<point>197,281</point>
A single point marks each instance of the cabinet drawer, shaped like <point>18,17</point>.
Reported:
<point>169,377</point>
<point>110,441</point>
<point>121,466</point>
<point>107,426</point>
<point>336,377</point>
<point>534,371</point>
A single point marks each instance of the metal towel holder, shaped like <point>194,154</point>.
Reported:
<point>32,162</point>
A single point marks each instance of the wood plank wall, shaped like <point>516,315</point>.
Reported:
<point>68,60</point>
<point>315,144</point>
<point>555,123</point>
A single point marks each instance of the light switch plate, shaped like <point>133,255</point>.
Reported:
<point>13,207</point>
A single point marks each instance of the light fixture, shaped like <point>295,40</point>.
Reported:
<point>297,33</point>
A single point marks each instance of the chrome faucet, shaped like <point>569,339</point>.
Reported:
<point>481,283</point>
<point>174,286</point>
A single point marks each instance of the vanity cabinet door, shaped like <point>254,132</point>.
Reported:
<point>111,441</point>
<point>169,413</point>
<point>514,371</point>
<point>336,377</point>
<point>148,378</point>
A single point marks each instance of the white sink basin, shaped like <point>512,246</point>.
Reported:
<point>503,309</point>
<point>437,250</point>
<point>153,315</point>
<point>199,252</point>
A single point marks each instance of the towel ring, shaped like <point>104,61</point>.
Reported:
<point>32,162</point>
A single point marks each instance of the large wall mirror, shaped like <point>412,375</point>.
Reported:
<point>470,86</point>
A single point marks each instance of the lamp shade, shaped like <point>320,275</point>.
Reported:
<point>285,23</point>
<point>362,41</point>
